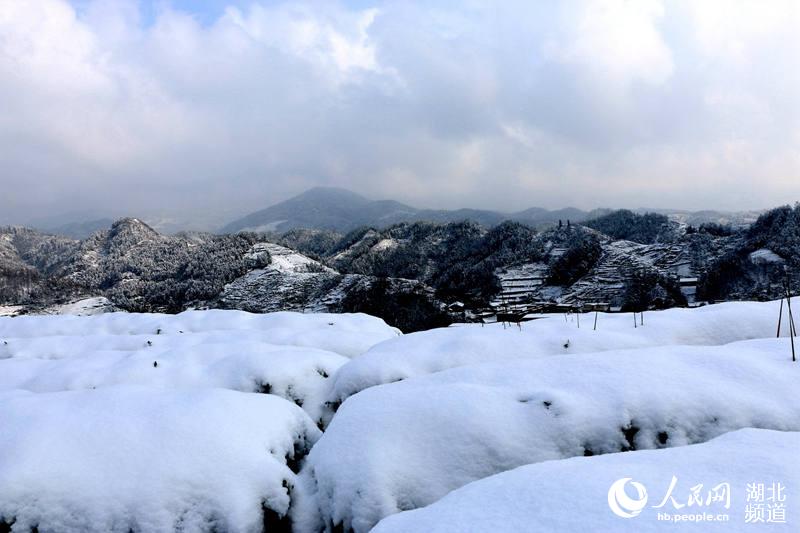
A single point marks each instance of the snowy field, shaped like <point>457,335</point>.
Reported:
<point>231,421</point>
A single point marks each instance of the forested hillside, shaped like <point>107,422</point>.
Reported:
<point>412,274</point>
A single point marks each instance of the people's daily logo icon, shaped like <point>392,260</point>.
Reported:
<point>623,505</point>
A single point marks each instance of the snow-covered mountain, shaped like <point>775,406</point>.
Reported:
<point>138,269</point>
<point>414,275</point>
<point>341,210</point>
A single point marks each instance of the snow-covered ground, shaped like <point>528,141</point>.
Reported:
<point>121,422</point>
<point>346,334</point>
<point>757,467</point>
<point>465,344</point>
<point>211,421</point>
<point>405,445</point>
<point>300,375</point>
<point>138,459</point>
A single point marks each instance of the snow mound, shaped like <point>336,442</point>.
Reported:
<point>572,495</point>
<point>345,334</point>
<point>404,445</point>
<point>138,459</point>
<point>278,353</point>
<point>439,349</point>
<point>300,375</point>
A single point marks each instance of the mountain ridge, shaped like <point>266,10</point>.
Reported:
<point>341,210</point>
<point>412,274</point>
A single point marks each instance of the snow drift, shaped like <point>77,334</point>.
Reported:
<point>139,459</point>
<point>280,353</point>
<point>300,375</point>
<point>345,334</point>
<point>404,445</point>
<point>571,495</point>
<point>439,349</point>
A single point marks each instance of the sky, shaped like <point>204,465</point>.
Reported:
<point>205,110</point>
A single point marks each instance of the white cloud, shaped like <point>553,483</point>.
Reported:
<point>615,41</point>
<point>497,105</point>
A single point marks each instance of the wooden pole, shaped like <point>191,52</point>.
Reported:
<point>641,314</point>
<point>634,320</point>
<point>578,315</point>
<point>595,321</point>
<point>780,318</point>
<point>791,319</point>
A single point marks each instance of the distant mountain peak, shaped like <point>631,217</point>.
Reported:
<point>131,223</point>
<point>332,192</point>
<point>331,208</point>
<point>130,230</point>
<point>342,210</point>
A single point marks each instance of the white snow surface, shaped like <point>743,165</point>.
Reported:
<point>122,421</point>
<point>572,495</point>
<point>346,334</point>
<point>434,350</point>
<point>84,307</point>
<point>235,350</point>
<point>135,458</point>
<point>300,375</point>
<point>152,422</point>
<point>287,260</point>
<point>405,445</point>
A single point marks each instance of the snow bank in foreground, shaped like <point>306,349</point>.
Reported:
<point>300,375</point>
<point>439,349</point>
<point>345,334</point>
<point>572,495</point>
<point>405,445</point>
<point>131,458</point>
<point>291,355</point>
